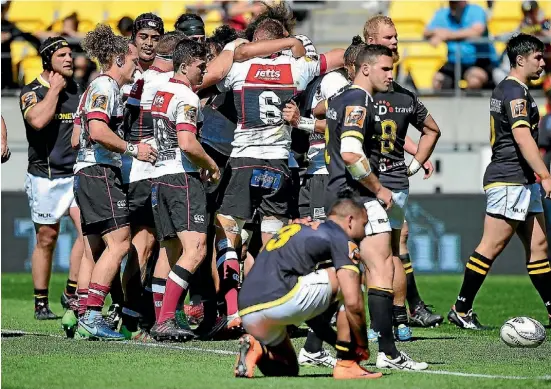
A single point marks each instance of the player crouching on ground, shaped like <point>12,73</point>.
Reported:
<point>311,267</point>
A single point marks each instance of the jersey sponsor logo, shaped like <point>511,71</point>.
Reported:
<point>495,105</point>
<point>121,204</point>
<point>270,74</point>
<point>99,102</point>
<point>519,108</point>
<point>200,219</point>
<point>161,102</point>
<point>65,116</point>
<point>190,113</point>
<point>355,116</point>
<point>331,114</point>
<point>384,107</point>
<point>28,100</point>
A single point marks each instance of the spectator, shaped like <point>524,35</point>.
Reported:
<point>236,12</point>
<point>10,33</point>
<point>125,26</point>
<point>455,25</point>
<point>84,70</point>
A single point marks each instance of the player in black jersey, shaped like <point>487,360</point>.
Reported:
<point>49,105</point>
<point>513,201</point>
<point>308,266</point>
<point>397,109</point>
<point>350,137</point>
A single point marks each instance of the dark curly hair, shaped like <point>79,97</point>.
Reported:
<point>102,44</point>
<point>279,12</point>
<point>352,51</point>
<point>221,37</point>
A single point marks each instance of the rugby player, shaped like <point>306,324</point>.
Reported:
<point>513,201</point>
<point>309,265</point>
<point>350,129</point>
<point>192,26</point>
<point>139,128</point>
<point>397,108</point>
<point>98,182</point>
<point>260,177</point>
<point>178,196</point>
<point>49,105</point>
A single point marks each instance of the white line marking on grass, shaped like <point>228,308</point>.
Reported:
<point>226,352</point>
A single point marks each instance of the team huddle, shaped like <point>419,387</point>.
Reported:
<point>264,181</point>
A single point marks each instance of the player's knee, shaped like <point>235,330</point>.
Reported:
<point>271,225</point>
<point>196,253</point>
<point>538,248</point>
<point>47,237</point>
<point>404,235</point>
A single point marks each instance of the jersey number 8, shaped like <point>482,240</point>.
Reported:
<point>388,135</point>
<point>282,237</point>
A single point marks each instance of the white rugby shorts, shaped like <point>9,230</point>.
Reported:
<point>310,297</point>
<point>377,218</point>
<point>49,199</point>
<point>514,202</point>
<point>397,213</point>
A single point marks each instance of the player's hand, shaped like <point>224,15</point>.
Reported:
<point>362,353</point>
<point>546,185</point>
<point>291,113</point>
<point>57,81</point>
<point>211,175</point>
<point>429,169</point>
<point>385,197</point>
<point>240,41</point>
<point>147,153</point>
<point>6,153</point>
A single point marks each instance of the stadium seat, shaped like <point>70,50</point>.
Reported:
<point>502,26</point>
<point>19,51</point>
<point>30,68</point>
<point>32,16</point>
<point>422,61</point>
<point>117,9</point>
<point>170,11</point>
<point>413,13</point>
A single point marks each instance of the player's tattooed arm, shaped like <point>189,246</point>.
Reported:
<point>263,48</point>
<point>349,283</point>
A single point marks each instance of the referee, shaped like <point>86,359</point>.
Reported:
<point>49,104</point>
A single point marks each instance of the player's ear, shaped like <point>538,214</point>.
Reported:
<point>520,60</point>
<point>119,61</point>
<point>365,69</point>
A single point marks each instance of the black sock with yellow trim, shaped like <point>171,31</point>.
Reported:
<point>40,297</point>
<point>476,270</point>
<point>379,301</point>
<point>412,293</point>
<point>70,287</point>
<point>345,350</point>
<point>540,274</point>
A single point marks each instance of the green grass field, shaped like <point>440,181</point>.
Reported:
<point>46,359</point>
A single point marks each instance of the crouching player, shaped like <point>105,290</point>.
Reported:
<point>310,267</point>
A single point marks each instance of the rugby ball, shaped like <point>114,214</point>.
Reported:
<point>522,332</point>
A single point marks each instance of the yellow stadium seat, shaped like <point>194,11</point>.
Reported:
<point>511,10</point>
<point>19,51</point>
<point>211,26</point>
<point>171,11</point>
<point>31,67</point>
<point>32,16</point>
<point>413,11</point>
<point>422,61</point>
<point>118,9</point>
<point>502,26</point>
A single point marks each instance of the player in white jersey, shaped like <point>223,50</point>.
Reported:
<point>98,185</point>
<point>177,194</point>
<point>137,176</point>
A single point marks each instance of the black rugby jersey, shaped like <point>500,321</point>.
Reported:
<point>220,121</point>
<point>397,109</point>
<point>349,114</point>
<point>296,250</point>
<point>50,153</point>
<point>511,106</point>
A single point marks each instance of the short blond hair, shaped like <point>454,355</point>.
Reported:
<point>371,27</point>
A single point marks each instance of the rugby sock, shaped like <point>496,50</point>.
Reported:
<point>228,269</point>
<point>40,297</point>
<point>345,350</point>
<point>176,286</point>
<point>117,293</point>
<point>158,286</point>
<point>130,319</point>
<point>476,271</point>
<point>82,301</point>
<point>379,301</point>
<point>70,287</point>
<point>412,291</point>
<point>540,274</point>
<point>313,343</point>
<point>96,296</point>
<point>399,315</point>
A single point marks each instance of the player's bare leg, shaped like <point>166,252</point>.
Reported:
<point>194,252</point>
<point>41,263</point>
<point>421,315</point>
<point>400,320</point>
<point>533,235</point>
<point>69,295</point>
<point>497,234</point>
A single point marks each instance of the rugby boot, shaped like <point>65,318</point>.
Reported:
<point>67,299</point>
<point>372,336</point>
<point>321,358</point>
<point>422,316</point>
<point>350,370</point>
<point>69,323</point>
<point>194,313</point>
<point>94,327</point>
<point>113,317</point>
<point>206,331</point>
<point>139,336</point>
<point>250,353</point>
<point>402,333</point>
<point>468,321</point>
<point>42,312</point>
<point>403,362</point>
<point>171,330</point>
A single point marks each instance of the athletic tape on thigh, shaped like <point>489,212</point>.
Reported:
<point>271,226</point>
<point>235,226</point>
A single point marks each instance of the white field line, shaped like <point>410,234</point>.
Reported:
<point>226,352</point>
